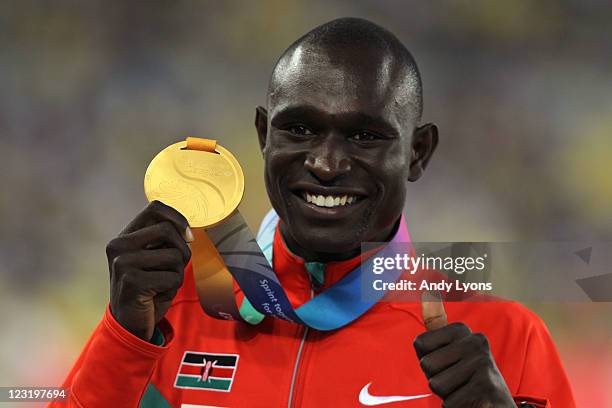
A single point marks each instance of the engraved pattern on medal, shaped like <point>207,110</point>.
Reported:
<point>208,170</point>
<point>193,203</point>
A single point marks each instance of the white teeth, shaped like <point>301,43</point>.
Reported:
<point>329,201</point>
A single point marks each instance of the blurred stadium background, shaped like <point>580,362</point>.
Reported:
<point>91,91</point>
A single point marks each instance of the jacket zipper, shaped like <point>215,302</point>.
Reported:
<point>297,361</point>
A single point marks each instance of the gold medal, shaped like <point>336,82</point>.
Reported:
<point>198,178</point>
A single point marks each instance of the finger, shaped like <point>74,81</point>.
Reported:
<point>432,310</point>
<point>461,397</point>
<point>160,235</point>
<point>440,359</point>
<point>167,259</point>
<point>155,212</point>
<point>477,392</point>
<point>139,282</point>
<point>432,340</point>
<point>454,377</point>
<point>464,348</point>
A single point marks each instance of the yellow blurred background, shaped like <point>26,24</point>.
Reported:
<point>91,91</point>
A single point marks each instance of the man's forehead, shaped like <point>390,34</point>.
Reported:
<point>338,81</point>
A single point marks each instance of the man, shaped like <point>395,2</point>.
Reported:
<point>341,138</point>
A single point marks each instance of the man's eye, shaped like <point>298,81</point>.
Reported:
<point>300,130</point>
<point>365,136</point>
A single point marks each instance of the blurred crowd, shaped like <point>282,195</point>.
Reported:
<point>91,91</point>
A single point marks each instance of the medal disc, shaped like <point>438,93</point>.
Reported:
<point>198,178</point>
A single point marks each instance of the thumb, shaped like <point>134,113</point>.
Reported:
<point>434,315</point>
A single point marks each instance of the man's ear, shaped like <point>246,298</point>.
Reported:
<point>261,124</point>
<point>424,143</point>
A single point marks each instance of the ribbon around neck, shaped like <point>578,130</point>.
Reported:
<point>249,262</point>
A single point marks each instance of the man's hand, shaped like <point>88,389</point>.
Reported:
<point>146,263</point>
<point>457,362</point>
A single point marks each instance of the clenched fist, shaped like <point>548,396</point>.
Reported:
<point>458,363</point>
<point>146,263</point>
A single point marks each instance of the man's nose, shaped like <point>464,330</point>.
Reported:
<point>328,160</point>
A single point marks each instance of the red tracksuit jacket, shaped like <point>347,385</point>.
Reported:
<point>206,362</point>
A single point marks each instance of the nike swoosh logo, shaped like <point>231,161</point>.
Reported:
<point>365,398</point>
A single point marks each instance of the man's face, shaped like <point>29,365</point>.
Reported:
<point>337,151</point>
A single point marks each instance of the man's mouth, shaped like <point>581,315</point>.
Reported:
<point>329,201</point>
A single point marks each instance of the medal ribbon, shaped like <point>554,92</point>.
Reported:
<point>333,308</point>
<point>248,264</point>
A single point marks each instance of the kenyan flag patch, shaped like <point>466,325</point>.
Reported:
<point>207,371</point>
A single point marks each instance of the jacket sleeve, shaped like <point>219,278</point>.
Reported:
<point>544,383</point>
<point>114,368</point>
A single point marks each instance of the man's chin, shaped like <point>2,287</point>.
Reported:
<point>328,246</point>
<point>316,231</point>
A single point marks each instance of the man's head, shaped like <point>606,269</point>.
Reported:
<point>341,137</point>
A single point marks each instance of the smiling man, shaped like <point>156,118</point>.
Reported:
<point>341,139</point>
